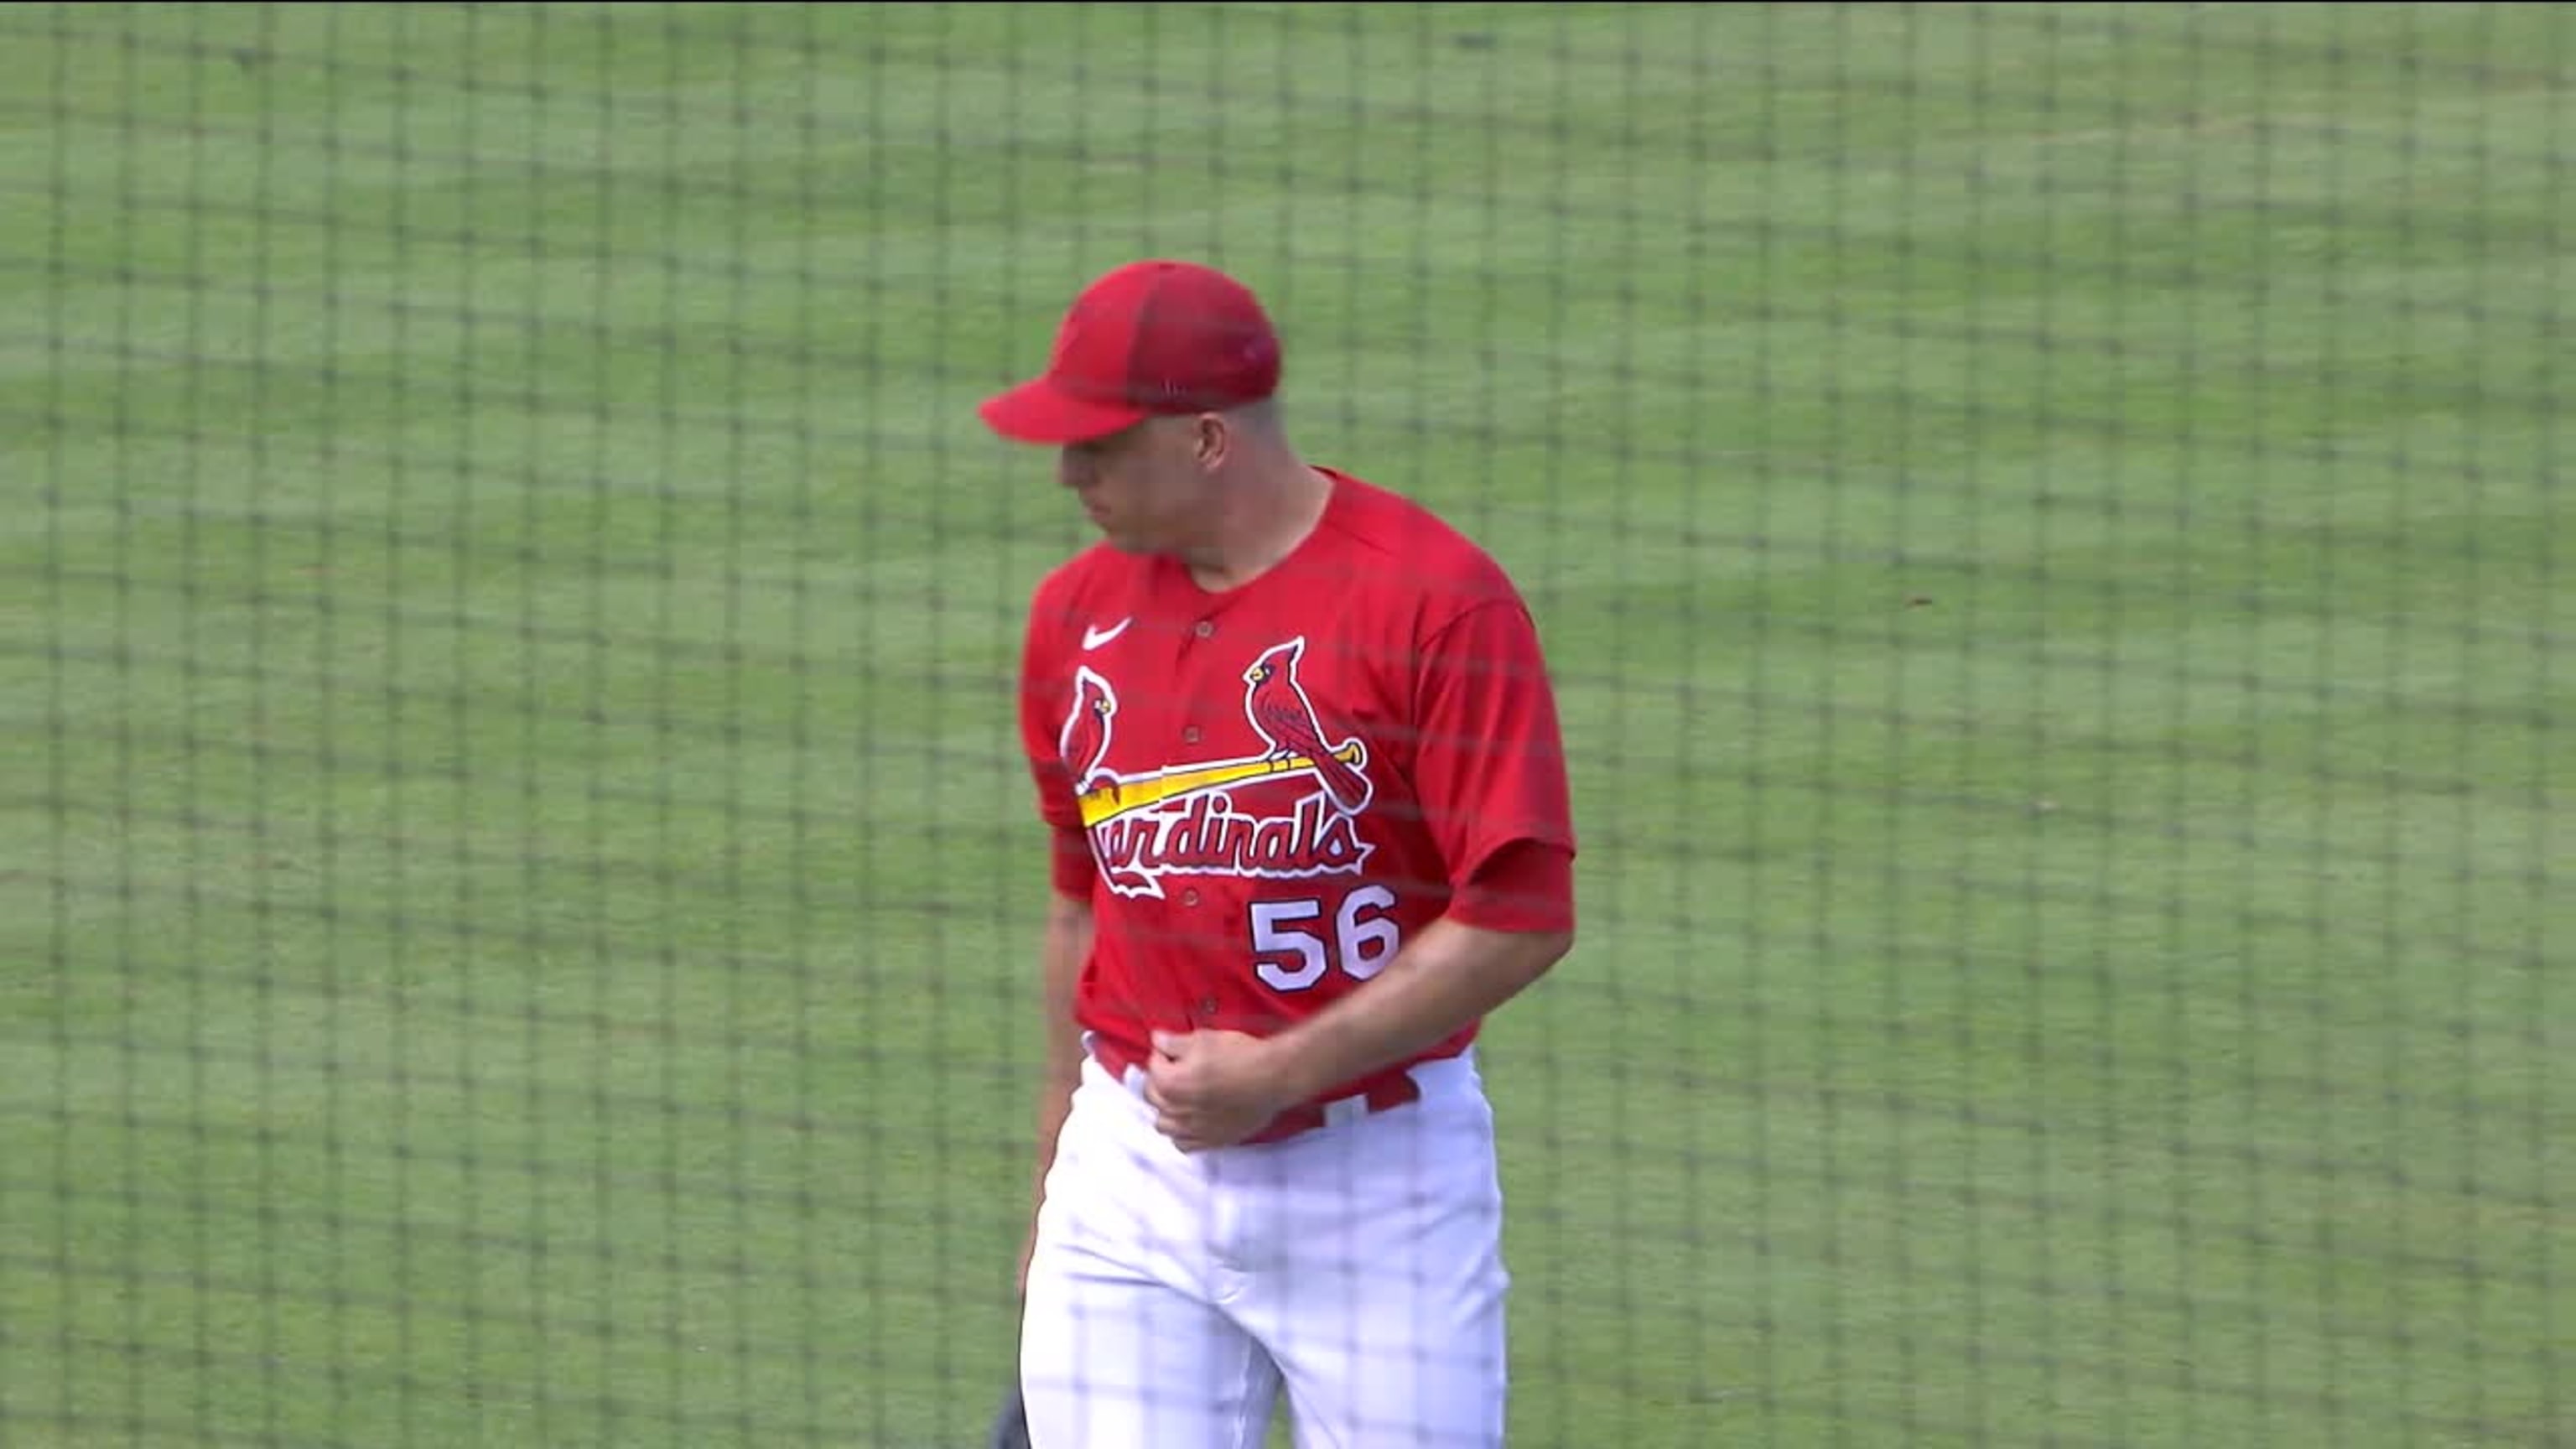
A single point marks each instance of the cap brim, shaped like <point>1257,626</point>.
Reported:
<point>1035,412</point>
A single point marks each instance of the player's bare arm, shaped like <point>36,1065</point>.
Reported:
<point>1452,974</point>
<point>1067,941</point>
<point>1216,1088</point>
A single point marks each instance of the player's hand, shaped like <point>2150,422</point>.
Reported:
<point>1211,1088</point>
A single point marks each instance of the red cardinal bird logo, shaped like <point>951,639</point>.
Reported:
<point>1279,709</point>
<point>1085,741</point>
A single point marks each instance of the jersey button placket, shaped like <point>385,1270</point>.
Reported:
<point>1203,629</point>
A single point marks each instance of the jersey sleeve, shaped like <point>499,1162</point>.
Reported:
<point>1044,699</point>
<point>1489,770</point>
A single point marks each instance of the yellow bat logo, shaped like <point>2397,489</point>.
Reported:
<point>1110,799</point>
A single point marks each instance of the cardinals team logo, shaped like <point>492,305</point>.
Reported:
<point>1189,820</point>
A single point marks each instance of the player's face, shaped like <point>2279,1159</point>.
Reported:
<point>1146,489</point>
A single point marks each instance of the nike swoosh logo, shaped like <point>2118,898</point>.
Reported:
<point>1094,638</point>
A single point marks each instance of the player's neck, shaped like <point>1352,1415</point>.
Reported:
<point>1267,522</point>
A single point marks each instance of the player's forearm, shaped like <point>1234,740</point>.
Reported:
<point>1066,945</point>
<point>1450,975</point>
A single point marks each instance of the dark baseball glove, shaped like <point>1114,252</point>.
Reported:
<point>1011,1425</point>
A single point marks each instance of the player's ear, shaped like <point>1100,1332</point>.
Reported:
<point>1210,441</point>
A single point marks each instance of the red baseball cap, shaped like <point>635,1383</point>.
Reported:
<point>1152,338</point>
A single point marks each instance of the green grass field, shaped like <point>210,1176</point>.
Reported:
<point>517,902</point>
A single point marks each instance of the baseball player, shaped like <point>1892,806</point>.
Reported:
<point>1297,747</point>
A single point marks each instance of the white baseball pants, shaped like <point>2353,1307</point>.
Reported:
<point>1173,1296</point>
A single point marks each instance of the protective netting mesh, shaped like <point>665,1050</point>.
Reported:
<point>517,897</point>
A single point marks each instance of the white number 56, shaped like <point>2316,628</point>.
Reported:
<point>1291,955</point>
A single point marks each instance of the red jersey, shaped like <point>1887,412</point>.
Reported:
<point>1265,792</point>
